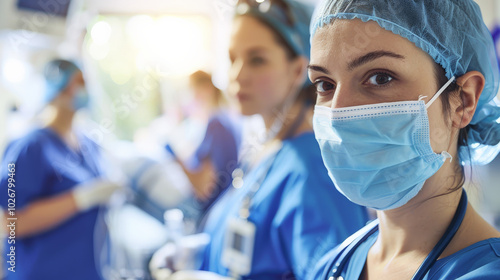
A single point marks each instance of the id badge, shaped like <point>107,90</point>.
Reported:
<point>238,246</point>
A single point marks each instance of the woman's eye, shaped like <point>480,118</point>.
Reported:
<point>380,79</point>
<point>257,61</point>
<point>323,87</point>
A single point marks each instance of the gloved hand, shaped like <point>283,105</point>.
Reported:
<point>182,255</point>
<point>93,193</point>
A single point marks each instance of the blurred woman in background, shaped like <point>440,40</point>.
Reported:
<point>282,210</point>
<point>209,169</point>
<point>56,175</point>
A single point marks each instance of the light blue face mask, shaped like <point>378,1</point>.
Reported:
<point>81,99</point>
<point>378,155</point>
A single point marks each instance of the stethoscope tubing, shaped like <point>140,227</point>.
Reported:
<point>347,249</point>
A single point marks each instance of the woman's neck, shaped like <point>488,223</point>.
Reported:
<point>289,119</point>
<point>409,233</point>
<point>61,122</point>
<point>417,226</point>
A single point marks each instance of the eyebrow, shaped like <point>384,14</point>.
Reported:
<point>252,51</point>
<point>358,61</point>
<point>370,57</point>
<point>318,69</point>
<point>256,50</point>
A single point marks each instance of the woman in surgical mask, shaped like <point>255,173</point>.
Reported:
<point>406,98</point>
<point>51,182</point>
<point>282,210</point>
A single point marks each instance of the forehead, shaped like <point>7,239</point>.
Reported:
<point>248,32</point>
<point>344,40</point>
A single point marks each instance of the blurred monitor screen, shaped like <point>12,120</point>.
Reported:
<point>52,7</point>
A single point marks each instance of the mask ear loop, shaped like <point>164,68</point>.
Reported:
<point>444,154</point>
<point>443,88</point>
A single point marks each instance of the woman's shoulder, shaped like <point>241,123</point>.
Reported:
<point>480,260</point>
<point>28,148</point>
<point>300,158</point>
<point>304,148</point>
<point>325,264</point>
<point>224,120</point>
<point>31,140</point>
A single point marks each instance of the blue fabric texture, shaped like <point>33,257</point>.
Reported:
<point>58,74</point>
<point>298,214</point>
<point>220,144</point>
<point>44,167</point>
<point>477,261</point>
<point>453,33</point>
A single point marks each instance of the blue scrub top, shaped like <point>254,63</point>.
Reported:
<point>221,144</point>
<point>298,213</point>
<point>477,261</point>
<point>44,167</point>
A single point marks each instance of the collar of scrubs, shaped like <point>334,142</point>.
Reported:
<point>82,154</point>
<point>348,247</point>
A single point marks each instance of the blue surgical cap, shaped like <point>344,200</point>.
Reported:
<point>57,73</point>
<point>453,33</point>
<point>290,19</point>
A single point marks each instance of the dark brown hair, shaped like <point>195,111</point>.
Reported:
<point>453,92</point>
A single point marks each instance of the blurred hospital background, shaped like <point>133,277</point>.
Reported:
<point>137,57</point>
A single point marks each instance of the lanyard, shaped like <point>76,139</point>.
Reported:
<point>237,182</point>
<point>244,212</point>
<point>348,247</point>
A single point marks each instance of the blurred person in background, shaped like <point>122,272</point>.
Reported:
<point>210,167</point>
<point>57,176</point>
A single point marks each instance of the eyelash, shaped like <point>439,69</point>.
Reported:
<point>316,84</point>
<point>256,61</point>
<point>371,75</point>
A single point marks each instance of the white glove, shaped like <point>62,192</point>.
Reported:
<point>180,256</point>
<point>93,193</point>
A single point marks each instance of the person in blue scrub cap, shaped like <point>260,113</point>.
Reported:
<point>55,174</point>
<point>406,97</point>
<point>282,211</point>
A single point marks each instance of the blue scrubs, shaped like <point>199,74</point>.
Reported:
<point>298,213</point>
<point>477,261</point>
<point>44,167</point>
<point>220,144</point>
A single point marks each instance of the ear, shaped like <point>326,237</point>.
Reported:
<point>471,85</point>
<point>299,70</point>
